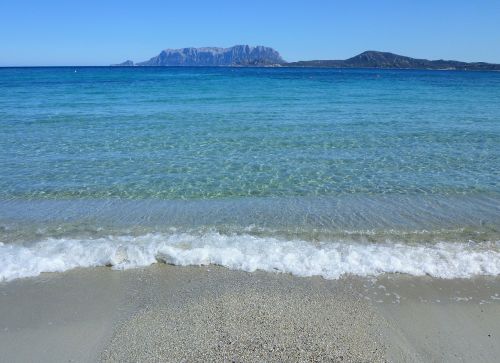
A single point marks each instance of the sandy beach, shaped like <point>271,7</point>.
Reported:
<point>168,313</point>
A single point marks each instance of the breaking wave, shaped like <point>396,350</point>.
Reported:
<point>246,252</point>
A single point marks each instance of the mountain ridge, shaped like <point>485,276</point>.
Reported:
<point>238,55</point>
<point>387,60</point>
<point>261,56</point>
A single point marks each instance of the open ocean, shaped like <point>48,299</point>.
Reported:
<point>307,171</point>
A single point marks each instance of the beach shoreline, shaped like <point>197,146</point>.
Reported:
<point>173,313</point>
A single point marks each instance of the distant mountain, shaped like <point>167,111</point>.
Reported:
<point>247,56</point>
<point>374,59</point>
<point>127,63</point>
<point>239,55</point>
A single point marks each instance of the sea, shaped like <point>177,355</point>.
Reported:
<point>312,172</point>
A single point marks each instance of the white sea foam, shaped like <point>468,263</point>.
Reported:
<point>250,253</point>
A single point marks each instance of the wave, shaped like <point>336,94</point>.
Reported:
<point>330,260</point>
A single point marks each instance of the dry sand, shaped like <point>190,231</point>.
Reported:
<point>167,313</point>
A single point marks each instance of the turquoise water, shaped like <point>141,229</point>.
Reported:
<point>223,133</point>
<point>328,155</point>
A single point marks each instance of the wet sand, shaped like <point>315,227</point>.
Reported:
<point>167,313</point>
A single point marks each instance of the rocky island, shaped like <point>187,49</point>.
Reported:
<point>238,55</point>
<point>260,56</point>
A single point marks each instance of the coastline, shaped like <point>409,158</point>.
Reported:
<point>452,237</point>
<point>204,313</point>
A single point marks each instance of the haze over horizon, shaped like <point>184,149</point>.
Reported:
<point>95,33</point>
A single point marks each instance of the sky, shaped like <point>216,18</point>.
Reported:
<point>91,32</point>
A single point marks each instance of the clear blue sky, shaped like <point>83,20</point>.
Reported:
<point>91,32</point>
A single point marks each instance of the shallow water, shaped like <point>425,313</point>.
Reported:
<point>315,159</point>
